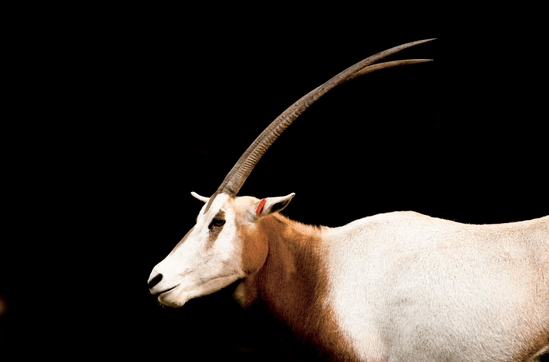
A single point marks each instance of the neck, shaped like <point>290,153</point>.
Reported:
<point>290,290</point>
<point>289,283</point>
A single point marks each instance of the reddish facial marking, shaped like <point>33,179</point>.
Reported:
<point>260,207</point>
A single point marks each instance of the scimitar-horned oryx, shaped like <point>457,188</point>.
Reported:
<point>399,286</point>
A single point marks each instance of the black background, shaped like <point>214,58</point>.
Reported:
<point>116,114</point>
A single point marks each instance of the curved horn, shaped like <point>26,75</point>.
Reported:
<point>242,169</point>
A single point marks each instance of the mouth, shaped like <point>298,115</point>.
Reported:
<point>166,292</point>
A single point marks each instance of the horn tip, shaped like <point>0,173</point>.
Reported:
<point>425,40</point>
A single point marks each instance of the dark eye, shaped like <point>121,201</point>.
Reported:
<point>216,223</point>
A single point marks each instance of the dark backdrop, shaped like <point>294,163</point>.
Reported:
<point>117,114</point>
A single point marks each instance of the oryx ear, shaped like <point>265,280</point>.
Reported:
<point>270,205</point>
<point>201,198</point>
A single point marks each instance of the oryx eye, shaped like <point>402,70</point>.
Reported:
<point>216,223</point>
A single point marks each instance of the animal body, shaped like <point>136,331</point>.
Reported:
<point>392,287</point>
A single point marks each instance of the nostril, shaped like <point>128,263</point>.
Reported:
<point>154,281</point>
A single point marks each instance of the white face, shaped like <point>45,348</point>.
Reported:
<point>208,258</point>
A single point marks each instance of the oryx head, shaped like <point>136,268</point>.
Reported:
<point>218,251</point>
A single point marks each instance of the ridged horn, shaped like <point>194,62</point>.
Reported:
<point>242,169</point>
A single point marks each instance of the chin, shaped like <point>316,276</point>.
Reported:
<point>172,299</point>
<point>171,303</point>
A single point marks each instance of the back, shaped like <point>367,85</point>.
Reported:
<point>416,287</point>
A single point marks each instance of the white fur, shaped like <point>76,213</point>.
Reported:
<point>407,287</point>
